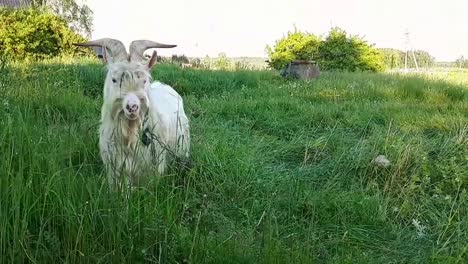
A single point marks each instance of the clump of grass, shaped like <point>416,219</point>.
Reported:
<point>283,171</point>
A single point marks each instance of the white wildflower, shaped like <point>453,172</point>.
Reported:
<point>420,228</point>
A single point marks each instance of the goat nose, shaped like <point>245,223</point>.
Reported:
<point>132,108</point>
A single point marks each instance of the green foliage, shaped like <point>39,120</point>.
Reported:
<point>394,58</point>
<point>296,45</point>
<point>423,58</point>
<point>222,62</point>
<point>79,17</point>
<point>336,52</point>
<point>348,53</point>
<point>282,174</point>
<point>34,34</point>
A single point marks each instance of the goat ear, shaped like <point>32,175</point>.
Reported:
<point>102,55</point>
<point>153,60</point>
<point>105,55</point>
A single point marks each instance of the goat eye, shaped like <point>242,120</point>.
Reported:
<point>114,80</point>
<point>144,81</point>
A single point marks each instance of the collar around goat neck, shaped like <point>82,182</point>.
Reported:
<point>146,137</point>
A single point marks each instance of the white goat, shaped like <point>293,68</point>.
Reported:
<point>143,124</point>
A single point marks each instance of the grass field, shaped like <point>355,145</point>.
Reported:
<point>282,174</point>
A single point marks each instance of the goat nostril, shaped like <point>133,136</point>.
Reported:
<point>132,108</point>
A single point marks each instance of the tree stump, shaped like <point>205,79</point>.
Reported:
<point>301,69</point>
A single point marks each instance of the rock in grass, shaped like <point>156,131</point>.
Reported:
<point>381,161</point>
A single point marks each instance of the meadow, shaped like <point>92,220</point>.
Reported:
<point>282,170</point>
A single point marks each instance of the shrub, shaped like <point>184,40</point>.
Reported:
<point>34,34</point>
<point>337,51</point>
<point>348,53</point>
<point>222,63</point>
<point>296,45</point>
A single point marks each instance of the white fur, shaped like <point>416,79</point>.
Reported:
<point>125,156</point>
<point>168,109</point>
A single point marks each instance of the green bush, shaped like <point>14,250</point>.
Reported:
<point>296,45</point>
<point>337,51</point>
<point>222,63</point>
<point>33,34</point>
<point>348,53</point>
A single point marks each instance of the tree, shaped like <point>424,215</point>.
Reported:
<point>423,58</point>
<point>461,62</point>
<point>78,17</point>
<point>393,58</point>
<point>396,58</point>
<point>222,62</point>
<point>296,45</point>
<point>348,53</point>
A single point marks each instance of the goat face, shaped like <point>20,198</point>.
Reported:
<point>125,90</point>
<point>128,77</point>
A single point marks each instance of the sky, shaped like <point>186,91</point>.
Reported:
<point>244,27</point>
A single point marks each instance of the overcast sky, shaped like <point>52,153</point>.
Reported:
<point>245,27</point>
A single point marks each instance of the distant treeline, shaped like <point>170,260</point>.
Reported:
<point>394,58</point>
<point>222,62</point>
<point>461,62</point>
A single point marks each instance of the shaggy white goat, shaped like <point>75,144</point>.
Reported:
<point>143,124</point>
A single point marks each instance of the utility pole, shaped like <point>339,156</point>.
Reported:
<point>409,48</point>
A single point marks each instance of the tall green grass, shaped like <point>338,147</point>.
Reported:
<point>282,172</point>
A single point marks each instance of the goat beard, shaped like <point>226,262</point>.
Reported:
<point>128,129</point>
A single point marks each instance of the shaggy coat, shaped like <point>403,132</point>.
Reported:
<point>148,142</point>
<point>143,124</point>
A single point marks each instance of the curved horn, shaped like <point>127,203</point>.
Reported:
<point>115,47</point>
<point>138,47</point>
